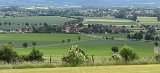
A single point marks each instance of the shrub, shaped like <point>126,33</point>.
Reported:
<point>35,55</point>
<point>157,57</point>
<point>75,56</point>
<point>115,57</point>
<point>7,53</point>
<point>128,53</point>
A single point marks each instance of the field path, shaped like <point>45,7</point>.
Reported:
<point>94,69</point>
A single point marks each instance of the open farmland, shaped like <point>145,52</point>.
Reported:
<point>19,22</point>
<point>92,48</point>
<point>148,20</point>
<point>107,21</point>
<point>94,69</point>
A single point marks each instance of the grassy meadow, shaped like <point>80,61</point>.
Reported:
<point>94,69</point>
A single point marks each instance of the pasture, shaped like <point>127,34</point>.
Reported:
<point>19,22</point>
<point>148,20</point>
<point>93,69</point>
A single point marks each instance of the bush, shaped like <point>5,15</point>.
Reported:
<point>7,53</point>
<point>157,57</point>
<point>115,57</point>
<point>75,56</point>
<point>35,55</point>
<point>128,53</point>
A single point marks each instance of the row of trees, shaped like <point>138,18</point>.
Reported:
<point>136,36</point>
<point>151,34</point>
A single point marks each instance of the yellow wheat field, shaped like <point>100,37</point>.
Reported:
<point>94,69</point>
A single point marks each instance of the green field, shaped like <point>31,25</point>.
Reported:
<point>41,39</point>
<point>52,43</point>
<point>107,21</point>
<point>91,49</point>
<point>94,69</point>
<point>31,20</point>
<point>148,20</point>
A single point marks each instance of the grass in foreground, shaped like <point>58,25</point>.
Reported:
<point>94,69</point>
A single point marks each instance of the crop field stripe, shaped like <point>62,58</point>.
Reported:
<point>94,69</point>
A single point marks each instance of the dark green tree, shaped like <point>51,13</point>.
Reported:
<point>25,45</point>
<point>128,54</point>
<point>34,44</point>
<point>157,38</point>
<point>7,53</point>
<point>156,44</point>
<point>68,40</point>
<point>114,49</point>
<point>79,38</point>
<point>158,17</point>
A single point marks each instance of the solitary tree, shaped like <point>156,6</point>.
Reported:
<point>25,45</point>
<point>157,38</point>
<point>156,44</point>
<point>158,18</point>
<point>79,38</point>
<point>34,44</point>
<point>68,40</point>
<point>63,41</point>
<point>114,49</point>
<point>7,54</point>
<point>129,36</point>
<point>128,54</point>
<point>138,21</point>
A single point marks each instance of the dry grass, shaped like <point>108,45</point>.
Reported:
<point>94,69</point>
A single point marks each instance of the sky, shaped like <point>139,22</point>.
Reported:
<point>77,2</point>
